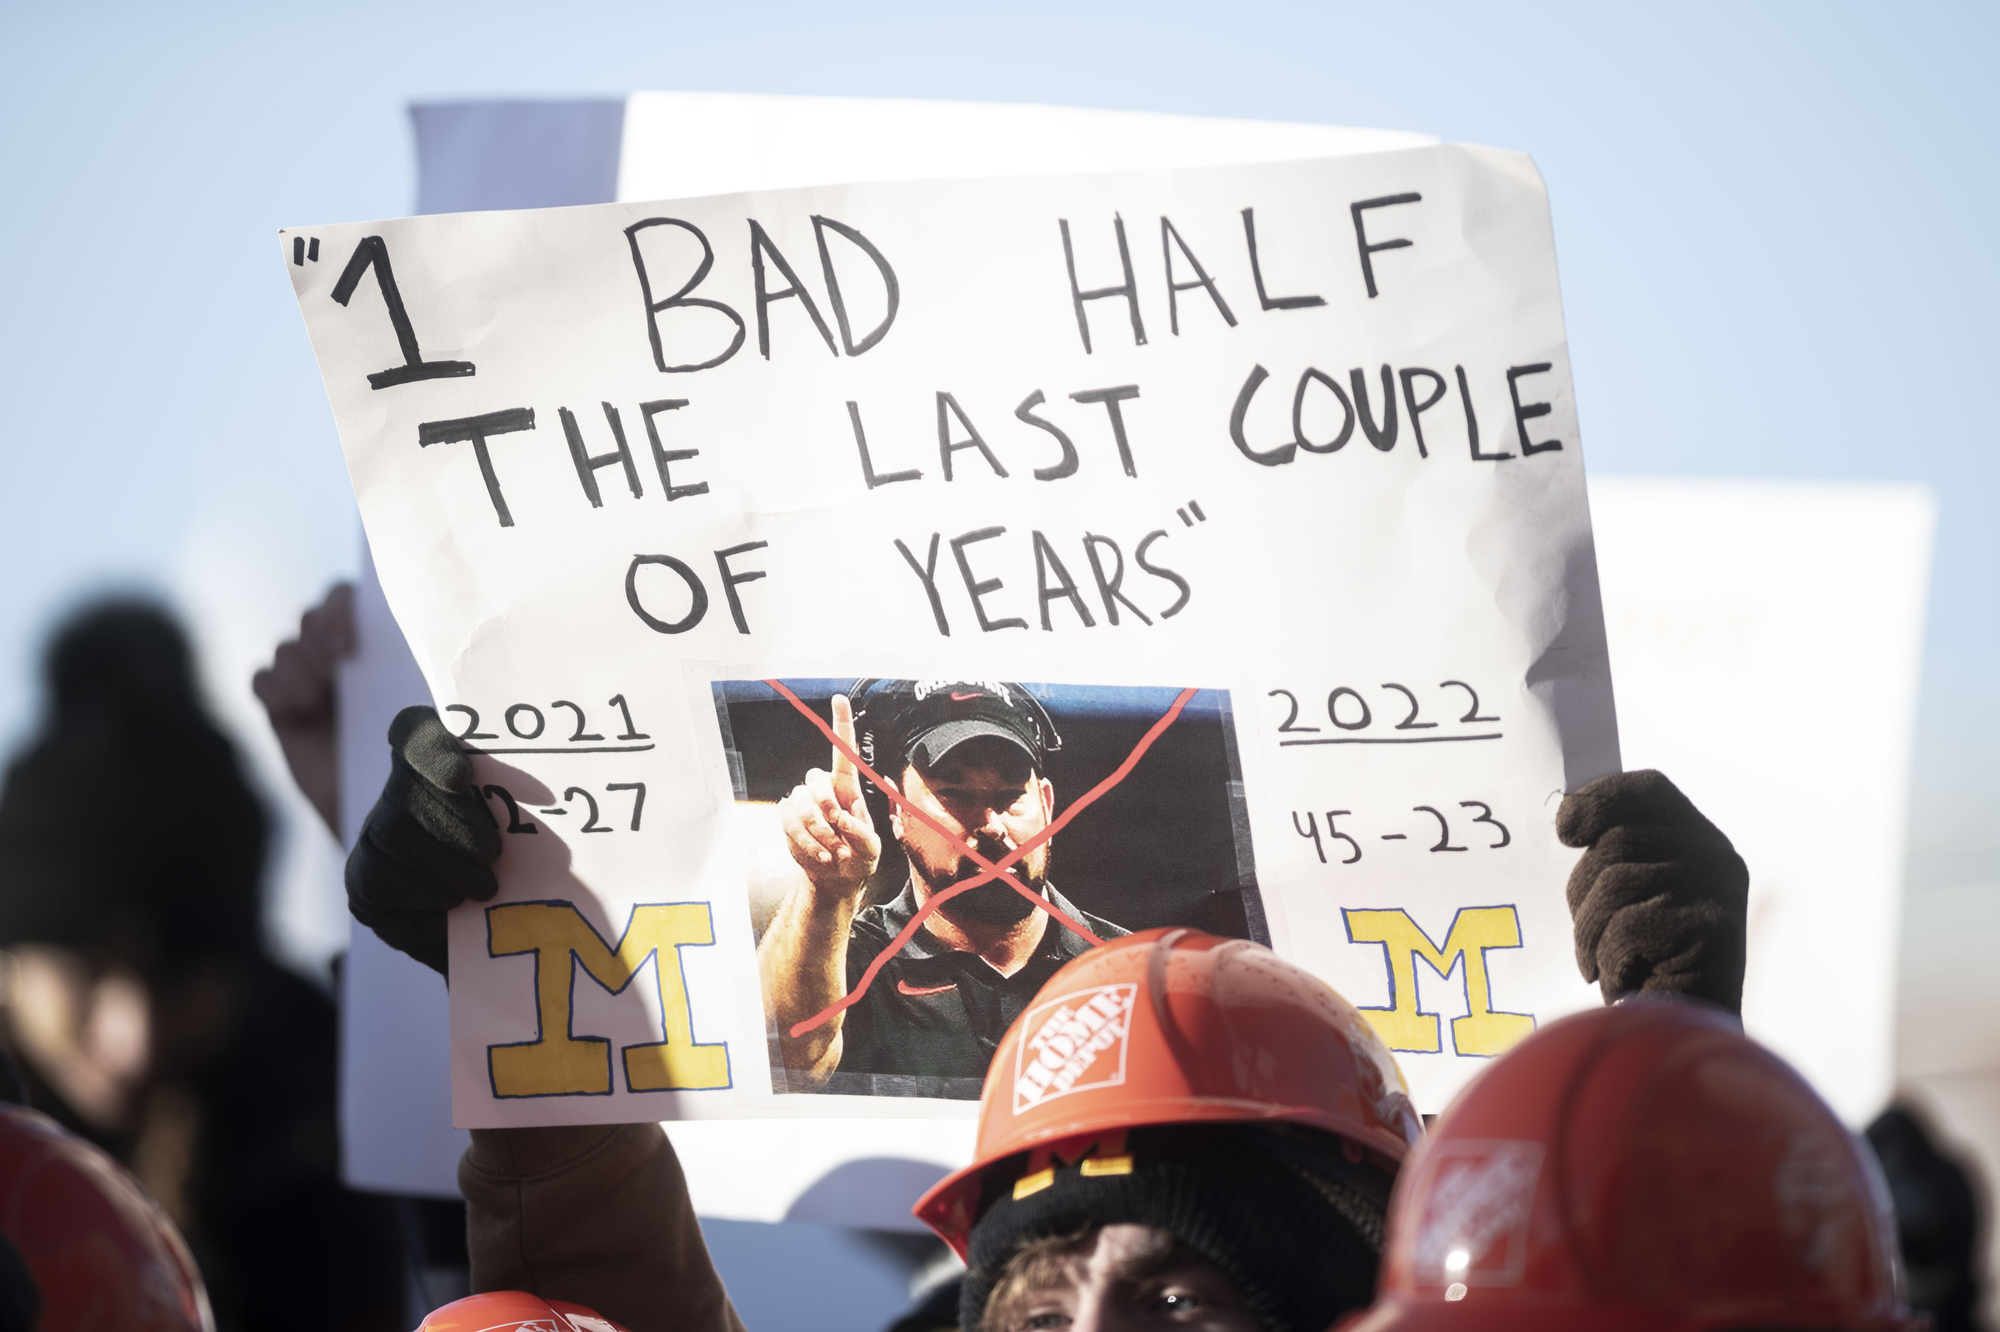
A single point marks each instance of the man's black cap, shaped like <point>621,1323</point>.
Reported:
<point>898,722</point>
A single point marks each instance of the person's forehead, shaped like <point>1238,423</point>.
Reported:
<point>1123,1252</point>
<point>1127,1242</point>
<point>1106,1253</point>
<point>1116,1253</point>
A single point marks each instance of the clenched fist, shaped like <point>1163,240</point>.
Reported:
<point>827,825</point>
<point>297,690</point>
<point>1659,901</point>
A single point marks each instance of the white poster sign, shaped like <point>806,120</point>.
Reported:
<point>1741,615</point>
<point>864,597</point>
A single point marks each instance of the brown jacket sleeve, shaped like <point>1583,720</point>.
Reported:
<point>598,1215</point>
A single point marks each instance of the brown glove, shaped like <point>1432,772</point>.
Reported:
<point>1659,900</point>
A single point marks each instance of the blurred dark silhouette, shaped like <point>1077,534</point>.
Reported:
<point>138,999</point>
<point>1937,1219</point>
<point>127,823</point>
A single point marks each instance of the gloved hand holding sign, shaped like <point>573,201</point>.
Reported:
<point>428,845</point>
<point>1659,900</point>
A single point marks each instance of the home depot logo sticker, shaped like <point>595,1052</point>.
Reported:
<point>1073,1044</point>
<point>1474,1229</point>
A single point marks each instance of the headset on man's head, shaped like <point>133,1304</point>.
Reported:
<point>872,693</point>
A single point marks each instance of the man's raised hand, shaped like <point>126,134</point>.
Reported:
<point>827,825</point>
<point>297,690</point>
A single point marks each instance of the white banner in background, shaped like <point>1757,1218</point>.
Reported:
<point>1246,503</point>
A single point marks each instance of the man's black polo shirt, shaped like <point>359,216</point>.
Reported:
<point>931,1020</point>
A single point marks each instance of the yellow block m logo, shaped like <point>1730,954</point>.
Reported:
<point>560,1063</point>
<point>1402,1025</point>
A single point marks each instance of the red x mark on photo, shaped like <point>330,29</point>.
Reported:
<point>988,869</point>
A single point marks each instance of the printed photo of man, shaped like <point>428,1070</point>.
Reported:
<point>972,755</point>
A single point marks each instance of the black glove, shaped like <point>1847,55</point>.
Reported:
<point>1659,900</point>
<point>428,845</point>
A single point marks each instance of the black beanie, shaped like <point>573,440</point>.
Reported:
<point>1282,1211</point>
<point>129,824</point>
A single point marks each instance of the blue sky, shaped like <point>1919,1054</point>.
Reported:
<point>1773,220</point>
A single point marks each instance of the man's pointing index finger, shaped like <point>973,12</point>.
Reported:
<point>846,778</point>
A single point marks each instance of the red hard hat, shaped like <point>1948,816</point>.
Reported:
<point>1643,1167</point>
<point>104,1258</point>
<point>1173,1026</point>
<point>515,1311</point>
